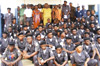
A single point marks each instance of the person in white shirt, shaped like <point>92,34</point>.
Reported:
<point>28,14</point>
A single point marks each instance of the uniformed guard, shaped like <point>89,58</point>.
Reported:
<point>69,47</point>
<point>4,42</point>
<point>31,50</point>
<point>61,57</point>
<point>11,57</point>
<point>81,58</point>
<point>45,56</point>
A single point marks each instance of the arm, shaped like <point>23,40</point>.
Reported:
<point>51,58</point>
<point>68,51</point>
<point>28,56</point>
<point>7,63</point>
<point>65,62</point>
<point>85,64</point>
<point>56,63</point>
<point>18,59</point>
<point>18,49</point>
<point>97,52</point>
<point>94,53</point>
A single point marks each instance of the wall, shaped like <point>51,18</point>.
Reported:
<point>14,3</point>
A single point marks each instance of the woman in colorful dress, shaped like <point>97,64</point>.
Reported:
<point>36,17</point>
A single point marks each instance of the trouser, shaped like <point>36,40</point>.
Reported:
<point>35,60</point>
<point>19,63</point>
<point>64,65</point>
<point>29,19</point>
<point>21,19</point>
<point>92,62</point>
<point>98,64</point>
<point>49,63</point>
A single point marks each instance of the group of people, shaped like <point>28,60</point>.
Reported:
<point>51,37</point>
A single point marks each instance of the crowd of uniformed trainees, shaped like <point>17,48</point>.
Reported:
<point>75,39</point>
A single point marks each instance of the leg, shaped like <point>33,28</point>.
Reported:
<point>35,61</point>
<point>98,63</point>
<point>20,63</point>
<point>50,63</point>
<point>92,62</point>
<point>67,64</point>
<point>3,64</point>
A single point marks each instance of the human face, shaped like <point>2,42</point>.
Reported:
<point>87,42</point>
<point>40,29</point>
<point>79,49</point>
<point>29,40</point>
<point>43,47</point>
<point>38,37</point>
<point>11,48</point>
<point>98,40</point>
<point>36,7</point>
<point>50,35</point>
<point>59,50</point>
<point>74,32</point>
<point>4,35</point>
<point>68,41</point>
<point>21,37</point>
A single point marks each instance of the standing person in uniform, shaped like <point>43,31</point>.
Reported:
<point>83,11</point>
<point>45,56</point>
<point>46,13</point>
<point>81,58</point>
<point>31,50</point>
<point>78,13</point>
<point>8,18</point>
<point>12,56</point>
<point>36,17</point>
<point>72,12</point>
<point>65,11</point>
<point>61,58</point>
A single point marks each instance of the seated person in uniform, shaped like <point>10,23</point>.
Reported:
<point>4,42</point>
<point>31,50</point>
<point>41,31</point>
<point>20,45</point>
<point>25,29</point>
<point>89,48</point>
<point>76,38</point>
<point>51,40</point>
<point>61,58</point>
<point>45,56</point>
<point>38,39</point>
<point>69,47</point>
<point>82,58</point>
<point>11,57</point>
<point>98,50</point>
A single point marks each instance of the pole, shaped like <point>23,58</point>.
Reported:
<point>0,24</point>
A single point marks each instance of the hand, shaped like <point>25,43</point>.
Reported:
<point>58,65</point>
<point>42,63</point>
<point>9,64</point>
<point>12,63</point>
<point>26,56</point>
